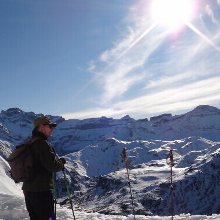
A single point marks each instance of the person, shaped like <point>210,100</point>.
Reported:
<point>38,193</point>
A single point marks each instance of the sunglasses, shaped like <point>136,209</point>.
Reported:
<point>50,126</point>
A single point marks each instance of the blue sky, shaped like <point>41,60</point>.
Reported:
<point>92,58</point>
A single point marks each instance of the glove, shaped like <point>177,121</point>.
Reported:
<point>63,161</point>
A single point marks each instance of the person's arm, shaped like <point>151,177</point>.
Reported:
<point>48,158</point>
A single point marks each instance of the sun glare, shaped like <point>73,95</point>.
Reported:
<point>172,13</point>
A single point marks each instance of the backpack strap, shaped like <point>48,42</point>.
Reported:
<point>28,142</point>
<point>34,139</point>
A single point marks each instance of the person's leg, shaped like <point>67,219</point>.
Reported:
<point>40,205</point>
<point>30,205</point>
<point>47,206</point>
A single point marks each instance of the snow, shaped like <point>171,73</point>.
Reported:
<point>12,205</point>
<point>93,149</point>
<point>10,188</point>
<point>13,208</point>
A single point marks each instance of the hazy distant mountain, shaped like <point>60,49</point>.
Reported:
<point>93,150</point>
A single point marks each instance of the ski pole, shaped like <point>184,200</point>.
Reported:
<point>55,188</point>
<point>55,195</point>
<point>124,158</point>
<point>171,164</point>
<point>68,193</point>
<point>67,188</point>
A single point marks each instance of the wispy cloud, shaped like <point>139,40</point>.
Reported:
<point>170,100</point>
<point>210,13</point>
<point>123,64</point>
<point>169,73</point>
<point>170,80</point>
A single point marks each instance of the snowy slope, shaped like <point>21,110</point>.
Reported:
<point>105,156</point>
<point>96,171</point>
<point>7,185</point>
<point>12,206</point>
<point>196,159</point>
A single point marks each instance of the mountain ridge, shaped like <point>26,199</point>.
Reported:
<point>74,134</point>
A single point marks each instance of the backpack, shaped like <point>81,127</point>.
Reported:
<point>21,162</point>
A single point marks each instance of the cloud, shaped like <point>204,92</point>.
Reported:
<point>120,68</point>
<point>169,80</point>
<point>171,96</point>
<point>117,84</point>
<point>124,64</point>
<point>174,99</point>
<point>210,13</point>
<point>168,74</point>
<point>89,113</point>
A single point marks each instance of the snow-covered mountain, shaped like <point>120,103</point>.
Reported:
<point>196,176</point>
<point>96,172</point>
<point>204,121</point>
<point>73,135</point>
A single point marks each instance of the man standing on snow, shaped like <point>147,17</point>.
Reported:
<point>38,192</point>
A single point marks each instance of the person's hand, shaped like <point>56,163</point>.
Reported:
<point>63,160</point>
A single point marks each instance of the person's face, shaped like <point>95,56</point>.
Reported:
<point>47,130</point>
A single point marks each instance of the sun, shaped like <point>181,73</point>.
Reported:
<point>172,13</point>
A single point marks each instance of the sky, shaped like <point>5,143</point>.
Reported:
<point>83,58</point>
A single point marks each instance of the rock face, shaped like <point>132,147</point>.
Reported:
<point>96,171</point>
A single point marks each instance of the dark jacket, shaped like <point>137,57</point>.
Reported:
<point>45,164</point>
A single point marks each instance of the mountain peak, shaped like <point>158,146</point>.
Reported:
<point>127,117</point>
<point>205,109</point>
<point>12,111</point>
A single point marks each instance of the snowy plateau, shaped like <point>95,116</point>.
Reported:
<point>97,175</point>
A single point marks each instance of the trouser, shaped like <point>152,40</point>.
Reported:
<point>40,205</point>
